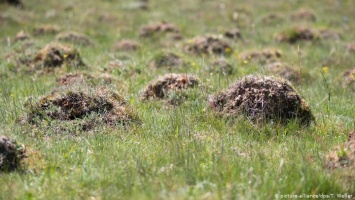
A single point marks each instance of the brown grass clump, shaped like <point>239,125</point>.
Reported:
<point>263,56</point>
<point>208,45</point>
<point>11,154</point>
<point>298,33</point>
<point>233,34</point>
<point>74,38</point>
<point>57,55</point>
<point>79,106</point>
<point>170,87</point>
<point>126,45</point>
<point>262,99</point>
<point>303,14</point>
<point>166,60</point>
<point>75,78</point>
<point>348,80</point>
<point>46,30</point>
<point>159,28</point>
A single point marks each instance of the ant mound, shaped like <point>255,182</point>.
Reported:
<point>71,79</point>
<point>328,34</point>
<point>170,87</point>
<point>350,47</point>
<point>298,33</point>
<point>159,28</point>
<point>11,154</point>
<point>262,99</point>
<point>221,65</point>
<point>166,60</point>
<point>263,56</point>
<point>208,45</point>
<point>58,55</point>
<point>303,14</point>
<point>46,30</point>
<point>74,38</point>
<point>79,106</point>
<point>287,72</point>
<point>342,156</point>
<point>16,3</point>
<point>272,19</point>
<point>126,45</point>
<point>348,80</point>
<point>233,34</point>
<point>22,36</point>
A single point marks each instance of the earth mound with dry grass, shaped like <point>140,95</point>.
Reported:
<point>348,79</point>
<point>297,33</point>
<point>170,87</point>
<point>11,154</point>
<point>80,106</point>
<point>342,156</point>
<point>58,55</point>
<point>166,60</point>
<point>208,45</point>
<point>303,14</point>
<point>46,30</point>
<point>263,56</point>
<point>158,28</point>
<point>221,66</point>
<point>288,72</point>
<point>80,78</point>
<point>126,45</point>
<point>74,38</point>
<point>262,99</point>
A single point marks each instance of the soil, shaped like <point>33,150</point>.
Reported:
<point>262,99</point>
<point>166,60</point>
<point>159,28</point>
<point>11,154</point>
<point>297,33</point>
<point>126,45</point>
<point>208,45</point>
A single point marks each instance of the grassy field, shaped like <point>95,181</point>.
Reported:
<point>186,151</point>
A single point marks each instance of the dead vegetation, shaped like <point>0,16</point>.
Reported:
<point>80,107</point>
<point>297,33</point>
<point>126,45</point>
<point>74,38</point>
<point>263,56</point>
<point>303,14</point>
<point>57,55</point>
<point>262,99</point>
<point>208,45</point>
<point>166,60</point>
<point>170,87</point>
<point>11,154</point>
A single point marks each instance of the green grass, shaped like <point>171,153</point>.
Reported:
<point>184,152</point>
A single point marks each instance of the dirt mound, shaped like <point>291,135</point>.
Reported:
<point>298,33</point>
<point>286,71</point>
<point>350,47</point>
<point>16,3</point>
<point>74,38</point>
<point>303,14</point>
<point>329,34</point>
<point>221,65</point>
<point>57,55</point>
<point>46,30</point>
<point>263,56</point>
<point>71,78</point>
<point>126,45</point>
<point>165,86</point>
<point>262,99</point>
<point>166,60</point>
<point>79,106</point>
<point>22,36</point>
<point>159,28</point>
<point>351,136</point>
<point>342,156</point>
<point>348,80</point>
<point>208,45</point>
<point>272,19</point>
<point>11,154</point>
<point>233,34</point>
